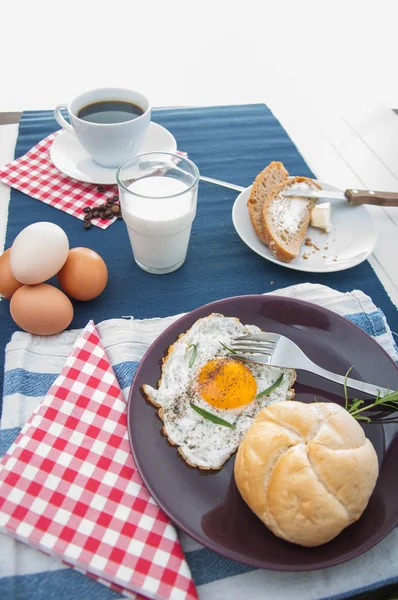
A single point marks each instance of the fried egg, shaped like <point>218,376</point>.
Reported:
<point>199,372</point>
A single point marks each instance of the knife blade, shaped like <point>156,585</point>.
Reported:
<point>352,196</point>
<point>230,186</point>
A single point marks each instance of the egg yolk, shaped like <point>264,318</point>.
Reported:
<point>226,383</point>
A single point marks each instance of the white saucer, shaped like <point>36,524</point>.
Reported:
<point>69,156</point>
<point>352,240</point>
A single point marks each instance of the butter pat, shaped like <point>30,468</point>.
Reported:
<point>321,216</point>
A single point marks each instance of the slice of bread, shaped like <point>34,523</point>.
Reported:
<point>272,175</point>
<point>285,219</point>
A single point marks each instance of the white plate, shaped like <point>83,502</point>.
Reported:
<point>69,156</point>
<point>352,240</point>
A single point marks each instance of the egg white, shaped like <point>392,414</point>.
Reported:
<point>202,442</point>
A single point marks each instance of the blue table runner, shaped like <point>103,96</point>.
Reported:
<point>233,143</point>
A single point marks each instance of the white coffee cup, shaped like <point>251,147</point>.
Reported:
<point>108,144</point>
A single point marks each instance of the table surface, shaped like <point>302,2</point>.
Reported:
<point>348,148</point>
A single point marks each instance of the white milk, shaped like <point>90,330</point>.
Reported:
<point>159,227</point>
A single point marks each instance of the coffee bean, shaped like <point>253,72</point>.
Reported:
<point>111,216</point>
<point>100,188</point>
<point>115,209</point>
<point>103,208</point>
<point>115,198</point>
<point>96,213</point>
<point>107,212</point>
<point>88,217</point>
<point>109,202</point>
<point>87,224</point>
<point>86,209</point>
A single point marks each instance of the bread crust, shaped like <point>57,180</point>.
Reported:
<point>274,174</point>
<point>306,470</point>
<point>272,238</point>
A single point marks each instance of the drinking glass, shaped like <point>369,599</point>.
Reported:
<point>158,195</point>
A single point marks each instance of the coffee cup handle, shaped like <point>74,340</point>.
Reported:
<point>60,119</point>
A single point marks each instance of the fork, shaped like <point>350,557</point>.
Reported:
<point>279,351</point>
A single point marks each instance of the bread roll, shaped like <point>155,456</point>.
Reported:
<point>306,470</point>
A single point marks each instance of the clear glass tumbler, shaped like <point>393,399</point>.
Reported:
<point>158,194</point>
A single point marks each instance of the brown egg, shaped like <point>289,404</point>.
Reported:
<point>41,309</point>
<point>84,275</point>
<point>8,283</point>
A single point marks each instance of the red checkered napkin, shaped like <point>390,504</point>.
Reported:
<point>35,175</point>
<point>69,485</point>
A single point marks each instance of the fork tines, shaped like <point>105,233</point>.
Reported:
<point>271,338</point>
<point>254,344</point>
<point>254,347</point>
<point>252,350</point>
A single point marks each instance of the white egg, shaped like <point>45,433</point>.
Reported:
<point>198,372</point>
<point>39,251</point>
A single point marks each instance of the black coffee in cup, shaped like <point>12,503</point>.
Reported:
<point>109,111</point>
<point>110,123</point>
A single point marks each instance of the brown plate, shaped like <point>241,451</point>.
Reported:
<point>207,506</point>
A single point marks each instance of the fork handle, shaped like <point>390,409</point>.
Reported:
<point>360,386</point>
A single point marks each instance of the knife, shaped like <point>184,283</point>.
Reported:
<point>353,197</point>
<point>230,186</point>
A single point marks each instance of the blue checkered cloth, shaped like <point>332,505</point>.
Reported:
<point>32,364</point>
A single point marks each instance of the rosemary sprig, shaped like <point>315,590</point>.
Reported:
<point>356,407</point>
<point>193,354</point>
<point>345,387</point>
<point>271,387</point>
<point>229,349</point>
<point>211,417</point>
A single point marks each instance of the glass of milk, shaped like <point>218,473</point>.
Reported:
<point>158,193</point>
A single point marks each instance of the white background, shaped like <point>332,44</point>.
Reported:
<point>182,52</point>
<point>328,69</point>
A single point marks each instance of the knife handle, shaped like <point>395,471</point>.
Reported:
<point>370,197</point>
